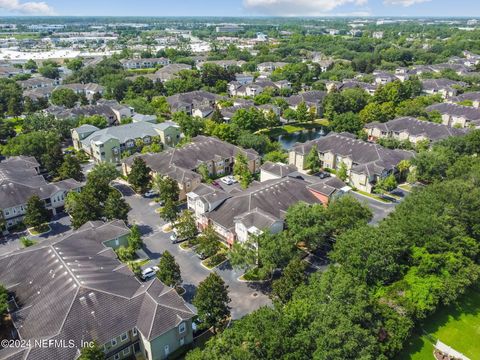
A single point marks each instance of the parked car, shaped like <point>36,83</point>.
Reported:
<point>201,256</point>
<point>216,184</point>
<point>174,238</point>
<point>229,180</point>
<point>149,272</point>
<point>150,194</point>
<point>323,174</point>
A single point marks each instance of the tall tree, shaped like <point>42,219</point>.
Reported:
<point>167,188</point>
<point>208,242</point>
<point>302,114</point>
<point>168,270</point>
<point>169,211</point>
<point>36,213</point>
<point>342,171</point>
<point>203,171</point>
<point>64,97</point>
<point>115,206</point>
<point>84,206</point>
<point>211,301</point>
<point>293,276</point>
<point>312,161</point>
<point>139,176</point>
<point>185,226</point>
<point>307,224</point>
<point>346,213</point>
<point>70,168</point>
<point>135,238</point>
<point>241,170</point>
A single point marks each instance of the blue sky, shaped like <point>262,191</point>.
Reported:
<point>468,8</point>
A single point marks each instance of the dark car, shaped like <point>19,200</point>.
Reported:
<point>323,174</point>
<point>201,256</point>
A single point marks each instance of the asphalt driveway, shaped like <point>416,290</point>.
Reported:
<point>246,297</point>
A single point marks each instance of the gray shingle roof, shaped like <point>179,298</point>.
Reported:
<point>473,96</point>
<point>314,97</point>
<point>415,127</point>
<point>440,84</point>
<point>179,163</point>
<point>71,289</point>
<point>469,113</point>
<point>361,152</point>
<point>278,169</point>
<point>19,181</point>
<point>273,197</point>
<point>127,132</point>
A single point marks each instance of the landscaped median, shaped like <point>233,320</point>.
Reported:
<point>39,230</point>
<point>255,275</point>
<point>186,245</point>
<point>372,196</point>
<point>215,260</point>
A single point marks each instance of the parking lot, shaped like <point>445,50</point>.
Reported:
<point>246,297</point>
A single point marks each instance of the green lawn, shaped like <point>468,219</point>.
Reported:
<point>457,326</point>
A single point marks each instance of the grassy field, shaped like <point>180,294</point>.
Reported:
<point>458,326</point>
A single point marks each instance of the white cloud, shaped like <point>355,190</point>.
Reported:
<point>298,7</point>
<point>405,3</point>
<point>27,8</point>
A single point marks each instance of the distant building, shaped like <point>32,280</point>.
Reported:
<point>144,63</point>
<point>38,82</point>
<point>89,89</point>
<point>268,67</point>
<point>181,164</point>
<point>228,29</point>
<point>411,129</point>
<point>111,110</point>
<point>190,101</point>
<point>108,145</point>
<point>474,97</point>
<point>20,179</point>
<point>457,115</point>
<point>366,163</point>
<point>444,87</point>
<point>313,99</point>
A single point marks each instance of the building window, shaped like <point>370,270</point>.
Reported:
<point>124,337</point>
<point>182,328</point>
<point>126,351</point>
<point>113,342</point>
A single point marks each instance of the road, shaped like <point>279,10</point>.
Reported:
<point>380,209</point>
<point>60,225</point>
<point>246,297</point>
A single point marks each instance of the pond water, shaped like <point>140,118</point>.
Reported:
<point>288,140</point>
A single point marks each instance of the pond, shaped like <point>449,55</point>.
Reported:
<point>288,140</point>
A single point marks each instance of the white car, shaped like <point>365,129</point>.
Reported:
<point>229,180</point>
<point>149,272</point>
<point>174,237</point>
<point>150,193</point>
